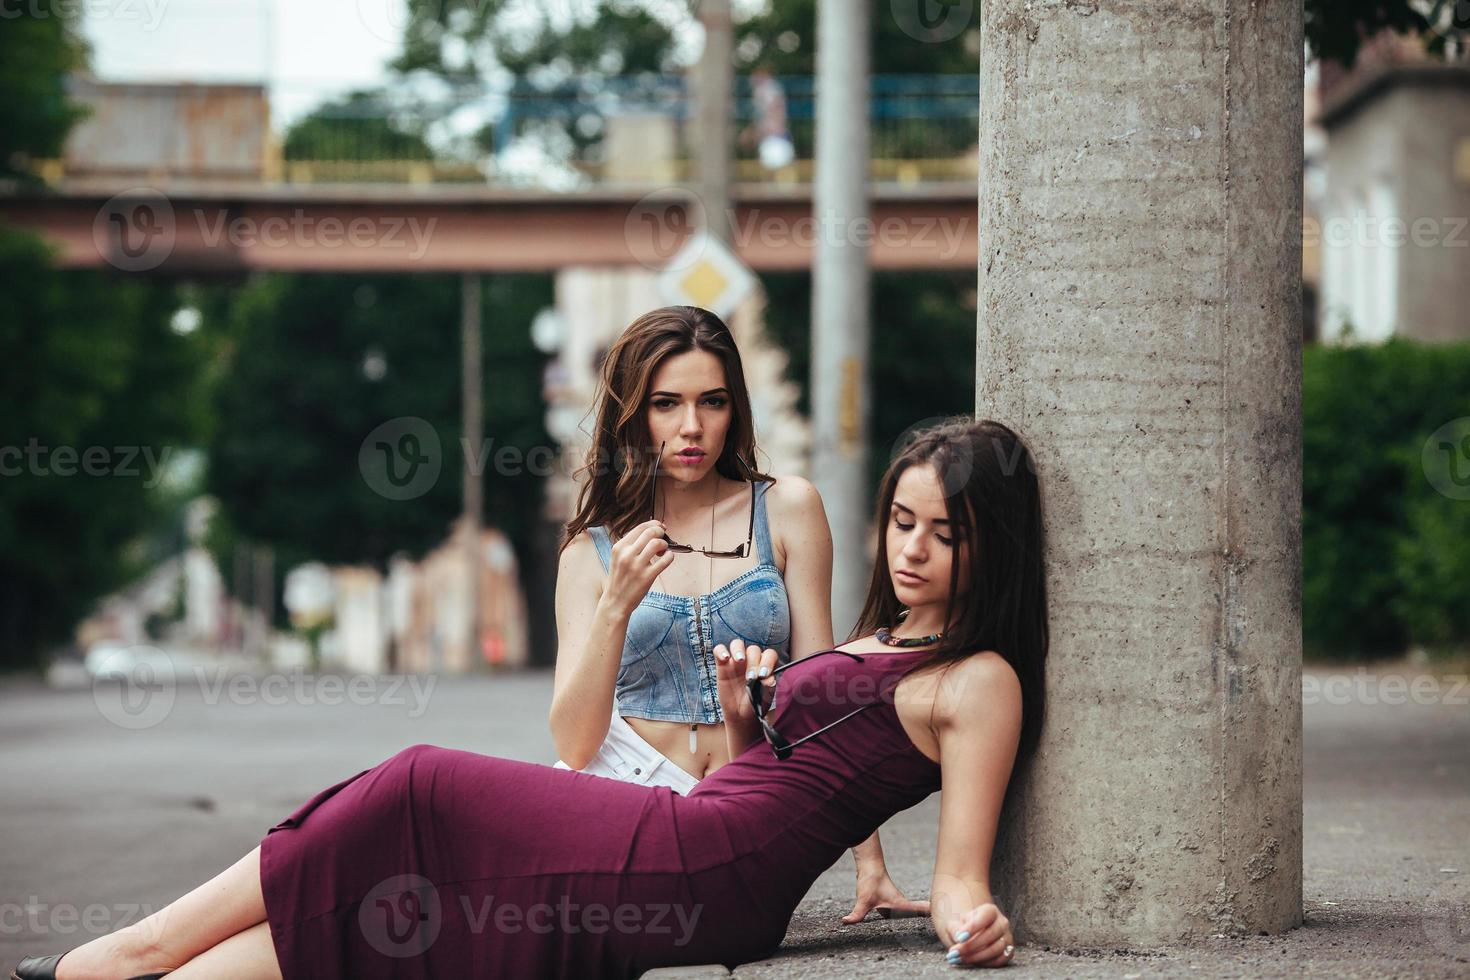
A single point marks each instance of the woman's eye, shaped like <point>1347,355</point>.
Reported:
<point>717,401</point>
<point>943,540</point>
<point>663,403</point>
<point>901,525</point>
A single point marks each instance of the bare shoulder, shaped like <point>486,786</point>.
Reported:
<point>982,688</point>
<point>579,558</point>
<point>794,497</point>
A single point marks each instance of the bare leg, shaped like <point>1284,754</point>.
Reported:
<point>217,910</point>
<point>247,955</point>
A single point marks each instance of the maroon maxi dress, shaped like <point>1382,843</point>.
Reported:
<point>444,863</point>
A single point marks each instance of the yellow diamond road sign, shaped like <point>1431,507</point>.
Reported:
<point>707,274</point>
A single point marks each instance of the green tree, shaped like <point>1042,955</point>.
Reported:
<point>318,362</point>
<point>1383,545</point>
<point>38,49</point>
<point>102,394</point>
<point>365,125</point>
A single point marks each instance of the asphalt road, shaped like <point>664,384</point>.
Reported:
<point>114,808</point>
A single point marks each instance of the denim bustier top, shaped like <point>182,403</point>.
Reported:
<point>668,664</point>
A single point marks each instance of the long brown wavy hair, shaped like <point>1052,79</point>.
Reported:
<point>621,464</point>
<point>993,499</point>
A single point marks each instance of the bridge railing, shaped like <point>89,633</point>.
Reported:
<point>615,130</point>
<point>574,133</point>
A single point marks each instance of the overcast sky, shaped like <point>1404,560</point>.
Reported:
<point>303,49</point>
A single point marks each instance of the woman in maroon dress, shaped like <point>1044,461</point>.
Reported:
<point>443,863</point>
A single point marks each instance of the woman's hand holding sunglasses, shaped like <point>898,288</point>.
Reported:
<point>638,558</point>
<point>733,668</point>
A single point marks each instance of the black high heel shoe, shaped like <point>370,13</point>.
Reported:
<point>44,968</point>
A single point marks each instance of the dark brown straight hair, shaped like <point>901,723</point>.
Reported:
<point>993,500</point>
<point>620,465</point>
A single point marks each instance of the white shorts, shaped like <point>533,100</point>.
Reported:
<point>625,755</point>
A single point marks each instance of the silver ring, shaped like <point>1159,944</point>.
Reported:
<point>1008,950</point>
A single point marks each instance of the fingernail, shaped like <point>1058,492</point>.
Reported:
<point>765,671</point>
<point>953,958</point>
<point>750,675</point>
<point>964,934</point>
<point>740,658</point>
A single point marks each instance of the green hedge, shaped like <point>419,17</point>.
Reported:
<point>1385,512</point>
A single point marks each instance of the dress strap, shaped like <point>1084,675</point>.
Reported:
<point>603,545</point>
<point>762,527</point>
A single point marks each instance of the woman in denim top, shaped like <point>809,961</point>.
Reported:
<point>672,461</point>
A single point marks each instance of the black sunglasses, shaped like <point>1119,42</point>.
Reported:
<point>780,744</point>
<point>685,549</point>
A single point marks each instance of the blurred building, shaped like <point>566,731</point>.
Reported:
<point>1390,192</point>
<point>178,131</point>
<point>423,609</point>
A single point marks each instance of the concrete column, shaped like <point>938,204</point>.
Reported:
<point>1140,322</point>
<point>840,306</point>
<point>716,80</point>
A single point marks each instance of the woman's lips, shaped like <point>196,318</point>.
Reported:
<point>909,578</point>
<point>690,458</point>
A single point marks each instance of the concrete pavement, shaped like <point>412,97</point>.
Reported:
<point>113,809</point>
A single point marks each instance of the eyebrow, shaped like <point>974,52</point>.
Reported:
<point>675,394</point>
<point>937,520</point>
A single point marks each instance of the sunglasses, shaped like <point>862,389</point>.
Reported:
<point>780,744</point>
<point>685,549</point>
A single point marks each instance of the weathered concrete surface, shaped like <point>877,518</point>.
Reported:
<point>1140,322</point>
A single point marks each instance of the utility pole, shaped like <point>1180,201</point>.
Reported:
<point>472,409</point>
<point>840,305</point>
<point>715,82</point>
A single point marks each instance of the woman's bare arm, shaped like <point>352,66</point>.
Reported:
<point>591,626</point>
<point>588,650</point>
<point>799,520</point>
<point>977,720</point>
